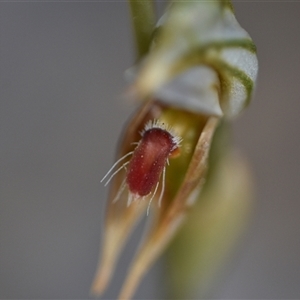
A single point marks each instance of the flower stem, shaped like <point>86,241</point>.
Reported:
<point>143,20</point>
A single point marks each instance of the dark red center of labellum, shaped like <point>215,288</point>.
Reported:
<point>148,160</point>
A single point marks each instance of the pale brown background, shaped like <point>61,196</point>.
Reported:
<point>61,77</point>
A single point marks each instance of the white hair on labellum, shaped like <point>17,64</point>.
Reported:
<point>120,191</point>
<point>162,187</point>
<point>130,198</point>
<point>114,165</point>
<point>154,193</point>
<point>117,171</point>
<point>176,139</point>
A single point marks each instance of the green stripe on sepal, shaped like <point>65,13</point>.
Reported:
<point>229,91</point>
<point>234,43</point>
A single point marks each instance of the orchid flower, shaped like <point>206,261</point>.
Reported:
<point>198,73</point>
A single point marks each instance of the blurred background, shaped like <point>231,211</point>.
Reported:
<point>61,112</point>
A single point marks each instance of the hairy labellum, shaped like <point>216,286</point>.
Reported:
<point>148,161</point>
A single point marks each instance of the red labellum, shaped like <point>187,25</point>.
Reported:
<point>148,161</point>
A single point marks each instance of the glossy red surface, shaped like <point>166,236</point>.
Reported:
<point>148,160</point>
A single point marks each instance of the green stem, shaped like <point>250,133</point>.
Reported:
<point>143,20</point>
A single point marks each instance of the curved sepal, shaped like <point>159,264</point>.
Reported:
<point>200,35</point>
